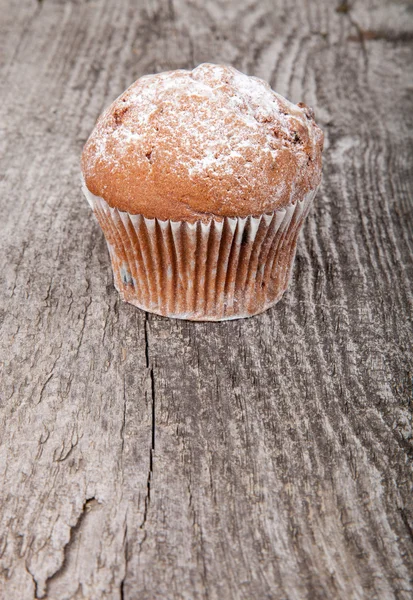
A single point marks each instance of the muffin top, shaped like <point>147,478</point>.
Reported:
<point>188,145</point>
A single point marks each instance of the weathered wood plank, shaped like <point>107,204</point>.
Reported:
<point>142,457</point>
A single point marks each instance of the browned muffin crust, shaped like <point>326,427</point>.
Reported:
<point>187,145</point>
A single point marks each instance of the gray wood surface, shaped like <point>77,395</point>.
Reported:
<point>145,458</point>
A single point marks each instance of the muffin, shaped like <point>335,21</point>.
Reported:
<point>201,181</point>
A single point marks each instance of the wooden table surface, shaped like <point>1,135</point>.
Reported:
<point>146,458</point>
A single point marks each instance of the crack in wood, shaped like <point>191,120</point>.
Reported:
<point>64,454</point>
<point>74,531</point>
<point>126,557</point>
<point>108,315</point>
<point>344,8</point>
<point>406,522</point>
<point>82,330</point>
<point>122,429</point>
<point>35,582</point>
<point>152,448</point>
<point>360,35</point>
<point>48,378</point>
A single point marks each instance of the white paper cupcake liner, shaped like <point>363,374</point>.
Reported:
<point>224,269</point>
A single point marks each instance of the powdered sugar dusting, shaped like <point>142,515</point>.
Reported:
<point>205,125</point>
<point>221,91</point>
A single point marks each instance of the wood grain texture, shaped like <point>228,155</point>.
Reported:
<point>142,457</point>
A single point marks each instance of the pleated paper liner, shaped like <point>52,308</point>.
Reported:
<point>223,269</point>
